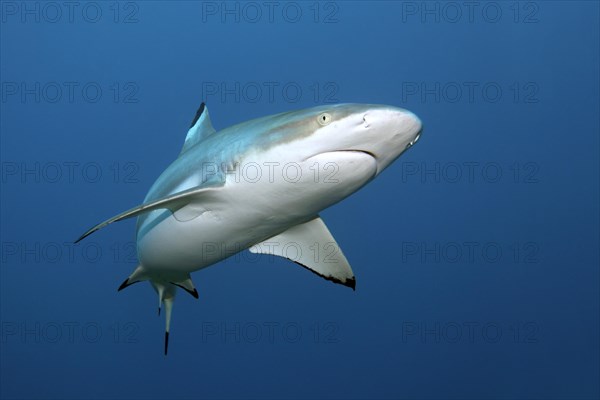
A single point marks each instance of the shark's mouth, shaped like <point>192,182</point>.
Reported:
<point>372,155</point>
<point>368,153</point>
<point>350,168</point>
<point>361,151</point>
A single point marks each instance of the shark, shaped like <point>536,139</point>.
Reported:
<point>260,186</point>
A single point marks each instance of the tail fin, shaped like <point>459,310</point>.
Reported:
<point>168,310</point>
<point>166,293</point>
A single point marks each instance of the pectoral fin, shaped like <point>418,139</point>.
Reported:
<point>312,246</point>
<point>173,203</point>
<point>187,285</point>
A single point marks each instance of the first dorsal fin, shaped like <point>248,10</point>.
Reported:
<point>200,128</point>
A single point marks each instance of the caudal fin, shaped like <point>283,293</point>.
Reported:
<point>166,293</point>
<point>166,296</point>
<point>168,310</point>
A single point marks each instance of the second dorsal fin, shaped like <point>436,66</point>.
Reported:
<point>200,128</point>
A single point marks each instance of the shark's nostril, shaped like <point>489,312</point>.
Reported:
<point>366,124</point>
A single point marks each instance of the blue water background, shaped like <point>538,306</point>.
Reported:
<point>476,253</point>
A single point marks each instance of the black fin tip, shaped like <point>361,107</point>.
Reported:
<point>198,114</point>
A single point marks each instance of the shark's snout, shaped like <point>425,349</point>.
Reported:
<point>385,132</point>
<point>417,130</point>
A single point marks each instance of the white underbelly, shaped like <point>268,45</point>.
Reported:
<point>250,209</point>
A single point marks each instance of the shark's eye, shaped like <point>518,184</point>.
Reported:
<point>324,119</point>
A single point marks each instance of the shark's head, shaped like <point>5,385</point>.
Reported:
<point>383,132</point>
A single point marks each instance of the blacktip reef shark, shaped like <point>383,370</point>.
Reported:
<point>296,164</point>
